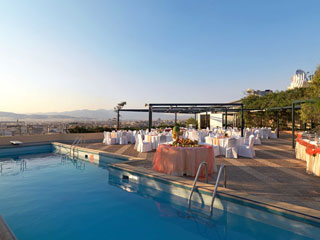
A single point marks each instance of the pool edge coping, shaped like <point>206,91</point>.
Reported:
<point>228,194</point>
<point>5,231</point>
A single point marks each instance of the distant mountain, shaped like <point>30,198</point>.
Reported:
<point>103,114</point>
<point>100,114</point>
<point>9,116</point>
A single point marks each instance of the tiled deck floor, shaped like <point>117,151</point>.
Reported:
<point>274,174</point>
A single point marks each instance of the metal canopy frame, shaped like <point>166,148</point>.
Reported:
<point>195,108</point>
<point>189,108</point>
<point>277,110</point>
<point>294,106</point>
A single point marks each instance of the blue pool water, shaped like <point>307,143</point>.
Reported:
<point>52,197</point>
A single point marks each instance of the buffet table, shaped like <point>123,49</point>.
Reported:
<point>179,161</point>
<point>308,151</point>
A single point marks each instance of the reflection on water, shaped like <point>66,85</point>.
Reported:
<point>78,164</point>
<point>231,221</point>
<point>15,166</point>
<point>172,208</point>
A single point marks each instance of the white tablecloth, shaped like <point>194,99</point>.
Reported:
<point>223,142</point>
<point>157,139</point>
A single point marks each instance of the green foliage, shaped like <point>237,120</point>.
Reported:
<point>271,100</point>
<point>192,121</point>
<point>314,87</point>
<point>81,129</point>
<point>310,111</point>
<point>276,99</point>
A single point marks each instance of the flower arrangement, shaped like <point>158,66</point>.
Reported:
<point>184,142</point>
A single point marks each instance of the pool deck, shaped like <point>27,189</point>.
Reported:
<point>274,177</point>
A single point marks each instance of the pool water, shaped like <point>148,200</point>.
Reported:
<point>52,197</point>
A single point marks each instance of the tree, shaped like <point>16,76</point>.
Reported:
<point>275,99</point>
<point>311,109</point>
<point>192,121</point>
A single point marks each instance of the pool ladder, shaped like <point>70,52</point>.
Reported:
<point>76,142</point>
<point>222,167</point>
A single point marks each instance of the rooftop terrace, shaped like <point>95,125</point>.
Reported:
<point>274,177</point>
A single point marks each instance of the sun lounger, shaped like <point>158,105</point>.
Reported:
<point>16,142</point>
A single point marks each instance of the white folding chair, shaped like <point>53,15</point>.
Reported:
<point>143,146</point>
<point>257,140</point>
<point>273,135</point>
<point>247,150</point>
<point>104,137</point>
<point>231,148</point>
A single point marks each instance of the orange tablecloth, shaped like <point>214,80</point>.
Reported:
<point>179,161</point>
<point>309,153</point>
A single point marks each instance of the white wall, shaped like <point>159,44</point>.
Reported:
<point>215,120</point>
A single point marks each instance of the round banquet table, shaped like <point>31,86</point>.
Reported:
<point>179,161</point>
<point>308,151</point>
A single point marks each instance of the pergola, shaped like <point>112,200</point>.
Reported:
<point>296,105</point>
<point>196,108</point>
<point>292,108</point>
<point>190,108</point>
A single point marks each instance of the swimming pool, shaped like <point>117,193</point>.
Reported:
<point>50,196</point>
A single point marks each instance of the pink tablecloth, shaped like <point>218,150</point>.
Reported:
<point>179,161</point>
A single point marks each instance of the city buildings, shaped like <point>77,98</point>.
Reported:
<point>250,91</point>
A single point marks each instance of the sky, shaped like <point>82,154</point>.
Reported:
<point>67,55</point>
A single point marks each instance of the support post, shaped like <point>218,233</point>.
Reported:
<point>175,118</point>
<point>278,132</point>
<point>226,119</point>
<point>242,120</point>
<point>206,119</point>
<point>195,116</point>
<point>150,118</point>
<point>236,117</point>
<point>225,177</point>
<point>222,121</point>
<point>118,119</point>
<point>233,123</point>
<point>293,123</point>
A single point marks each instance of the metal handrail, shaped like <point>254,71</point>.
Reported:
<point>78,140</point>
<point>196,179</point>
<point>75,143</point>
<point>216,187</point>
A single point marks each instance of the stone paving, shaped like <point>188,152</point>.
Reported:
<point>273,175</point>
